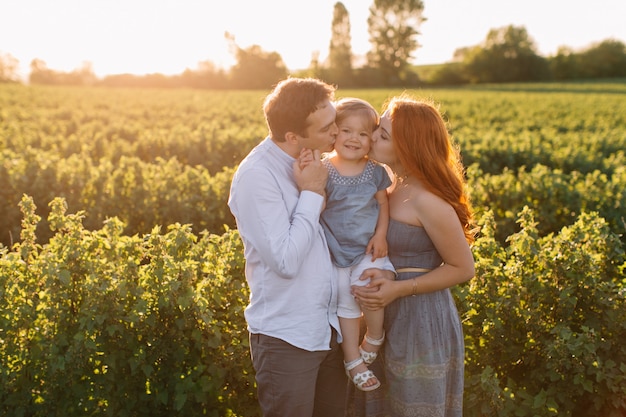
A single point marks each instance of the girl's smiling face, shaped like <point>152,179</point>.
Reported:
<point>354,138</point>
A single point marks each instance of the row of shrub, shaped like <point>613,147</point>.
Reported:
<point>165,192</point>
<point>154,157</point>
<point>100,323</point>
<point>143,194</point>
<point>572,127</point>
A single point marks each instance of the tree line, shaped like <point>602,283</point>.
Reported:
<point>508,54</point>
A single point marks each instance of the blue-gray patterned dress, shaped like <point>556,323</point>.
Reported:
<point>421,364</point>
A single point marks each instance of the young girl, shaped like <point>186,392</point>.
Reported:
<point>355,222</point>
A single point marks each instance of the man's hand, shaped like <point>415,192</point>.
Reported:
<point>309,172</point>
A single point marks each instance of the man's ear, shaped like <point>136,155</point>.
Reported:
<point>291,138</point>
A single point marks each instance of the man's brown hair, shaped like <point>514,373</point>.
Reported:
<point>287,107</point>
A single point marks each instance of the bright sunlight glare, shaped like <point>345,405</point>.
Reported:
<point>167,36</point>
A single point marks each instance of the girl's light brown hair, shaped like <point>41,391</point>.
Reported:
<point>349,106</point>
<point>425,150</point>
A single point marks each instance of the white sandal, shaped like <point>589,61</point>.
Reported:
<point>370,357</point>
<point>361,378</point>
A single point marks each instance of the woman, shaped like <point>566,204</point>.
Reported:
<point>429,234</point>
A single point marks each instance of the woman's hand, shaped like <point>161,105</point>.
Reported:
<point>379,292</point>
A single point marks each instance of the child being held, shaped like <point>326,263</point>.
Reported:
<point>355,222</point>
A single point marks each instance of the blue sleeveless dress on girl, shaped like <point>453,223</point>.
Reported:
<point>351,213</point>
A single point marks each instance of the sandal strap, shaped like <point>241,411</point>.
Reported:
<point>375,342</point>
<point>368,357</point>
<point>362,377</point>
<point>353,364</point>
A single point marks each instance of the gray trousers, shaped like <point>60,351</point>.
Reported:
<point>296,382</point>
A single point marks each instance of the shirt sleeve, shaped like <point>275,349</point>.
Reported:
<point>281,237</point>
<point>382,177</point>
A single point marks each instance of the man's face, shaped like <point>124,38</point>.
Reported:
<point>322,130</point>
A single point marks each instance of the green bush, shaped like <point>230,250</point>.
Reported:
<point>99,323</point>
<point>557,198</point>
<point>545,322</point>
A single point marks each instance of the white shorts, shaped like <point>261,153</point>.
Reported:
<point>347,307</point>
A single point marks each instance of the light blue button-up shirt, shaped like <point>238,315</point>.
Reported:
<point>288,267</point>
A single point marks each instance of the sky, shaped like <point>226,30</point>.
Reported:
<point>169,36</point>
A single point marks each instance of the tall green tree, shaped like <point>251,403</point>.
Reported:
<point>393,28</point>
<point>565,64</point>
<point>255,68</point>
<point>340,50</point>
<point>8,68</point>
<point>508,54</point>
<point>604,60</point>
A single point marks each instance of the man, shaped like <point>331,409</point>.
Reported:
<point>292,314</point>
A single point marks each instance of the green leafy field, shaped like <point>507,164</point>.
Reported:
<point>121,271</point>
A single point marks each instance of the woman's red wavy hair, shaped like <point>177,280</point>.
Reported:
<point>425,150</point>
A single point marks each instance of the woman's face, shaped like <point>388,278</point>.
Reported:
<point>382,149</point>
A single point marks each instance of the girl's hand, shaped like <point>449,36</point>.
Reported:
<point>305,158</point>
<point>377,246</point>
<point>309,172</point>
